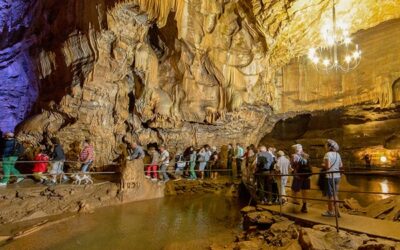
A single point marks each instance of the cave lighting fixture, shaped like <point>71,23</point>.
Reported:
<point>338,52</point>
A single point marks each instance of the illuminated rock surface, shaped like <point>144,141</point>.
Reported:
<point>181,72</point>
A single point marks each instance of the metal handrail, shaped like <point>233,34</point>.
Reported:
<point>335,192</point>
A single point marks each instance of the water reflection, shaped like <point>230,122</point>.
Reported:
<point>384,188</point>
<point>369,183</point>
<point>173,222</point>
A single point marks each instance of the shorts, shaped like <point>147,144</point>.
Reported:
<point>300,183</point>
<point>329,186</point>
<point>202,166</point>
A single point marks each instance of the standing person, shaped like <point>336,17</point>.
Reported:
<point>202,158</point>
<point>164,162</point>
<point>250,161</point>
<point>214,162</point>
<point>192,163</point>
<point>300,182</point>
<point>10,151</point>
<point>58,159</point>
<point>136,152</point>
<point>239,157</point>
<point>179,165</point>
<point>207,159</point>
<point>151,170</point>
<point>40,166</point>
<point>367,159</point>
<point>264,163</point>
<point>275,190</point>
<point>86,156</point>
<point>230,157</point>
<point>332,165</point>
<point>282,167</point>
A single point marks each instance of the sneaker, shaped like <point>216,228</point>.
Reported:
<point>3,184</point>
<point>146,176</point>
<point>153,179</point>
<point>328,214</point>
<point>19,180</point>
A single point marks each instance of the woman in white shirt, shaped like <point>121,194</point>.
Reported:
<point>332,164</point>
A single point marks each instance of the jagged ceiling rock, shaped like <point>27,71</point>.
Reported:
<point>171,71</point>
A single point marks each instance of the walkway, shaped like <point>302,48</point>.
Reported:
<point>354,223</point>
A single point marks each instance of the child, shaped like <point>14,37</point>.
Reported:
<point>151,171</point>
<point>40,166</point>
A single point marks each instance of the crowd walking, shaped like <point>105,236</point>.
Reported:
<point>267,169</point>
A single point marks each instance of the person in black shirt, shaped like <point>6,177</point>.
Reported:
<point>9,151</point>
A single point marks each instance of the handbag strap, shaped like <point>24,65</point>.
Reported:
<point>333,162</point>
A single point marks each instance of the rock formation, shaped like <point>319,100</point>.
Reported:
<point>179,72</point>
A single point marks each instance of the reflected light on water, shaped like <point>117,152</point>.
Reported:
<point>384,188</point>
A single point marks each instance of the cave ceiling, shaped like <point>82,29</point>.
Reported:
<point>173,71</point>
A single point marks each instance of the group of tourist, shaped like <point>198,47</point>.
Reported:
<point>157,168</point>
<point>267,168</point>
<point>270,168</point>
<point>48,161</point>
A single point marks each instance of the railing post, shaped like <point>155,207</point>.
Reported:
<point>335,203</point>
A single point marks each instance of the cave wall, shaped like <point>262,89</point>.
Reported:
<point>166,71</point>
<point>359,130</point>
<point>373,80</point>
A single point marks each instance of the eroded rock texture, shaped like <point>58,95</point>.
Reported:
<point>171,71</point>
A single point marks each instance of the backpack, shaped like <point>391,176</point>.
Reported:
<point>262,163</point>
<point>304,168</point>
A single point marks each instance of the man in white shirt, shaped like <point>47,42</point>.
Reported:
<point>164,162</point>
<point>282,167</point>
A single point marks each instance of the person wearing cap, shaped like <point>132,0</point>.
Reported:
<point>10,150</point>
<point>282,167</point>
<point>301,182</point>
<point>332,165</point>
<point>164,162</point>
